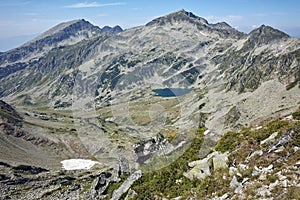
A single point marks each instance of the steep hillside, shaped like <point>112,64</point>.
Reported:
<point>30,141</point>
<point>255,163</point>
<point>63,34</point>
<point>134,99</point>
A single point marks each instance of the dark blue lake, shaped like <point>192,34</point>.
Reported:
<point>171,92</point>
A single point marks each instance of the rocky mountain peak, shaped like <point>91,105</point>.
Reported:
<point>184,17</point>
<point>222,25</point>
<point>268,31</point>
<point>226,30</point>
<point>66,33</point>
<point>67,29</point>
<point>178,16</point>
<point>264,35</point>
<point>113,30</point>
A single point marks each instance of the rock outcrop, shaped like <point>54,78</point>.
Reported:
<point>126,185</point>
<point>205,167</point>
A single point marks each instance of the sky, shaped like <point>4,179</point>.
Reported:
<point>21,20</point>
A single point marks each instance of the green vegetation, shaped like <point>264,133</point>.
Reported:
<point>109,191</point>
<point>86,188</point>
<point>272,178</point>
<point>231,140</point>
<point>228,142</point>
<point>169,182</point>
<point>296,115</point>
<point>242,144</point>
<point>212,185</point>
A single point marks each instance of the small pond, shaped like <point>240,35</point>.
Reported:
<point>171,92</point>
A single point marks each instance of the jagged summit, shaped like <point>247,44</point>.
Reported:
<point>113,30</point>
<point>222,25</point>
<point>65,33</point>
<point>69,27</point>
<point>184,17</point>
<point>264,35</point>
<point>180,15</point>
<point>268,32</point>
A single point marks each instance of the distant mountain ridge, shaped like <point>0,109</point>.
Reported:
<point>235,79</point>
<point>80,91</point>
<point>180,15</point>
<point>201,23</point>
<point>64,34</point>
<point>185,27</point>
<point>264,35</point>
<point>114,30</point>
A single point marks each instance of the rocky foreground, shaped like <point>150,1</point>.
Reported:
<point>259,162</point>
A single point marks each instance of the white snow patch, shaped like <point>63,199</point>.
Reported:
<point>76,164</point>
<point>207,132</point>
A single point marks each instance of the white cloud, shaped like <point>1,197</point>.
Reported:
<point>93,5</point>
<point>227,18</point>
<point>30,14</point>
<point>260,14</point>
<point>10,4</point>
<point>270,14</point>
<point>137,9</point>
<point>102,15</point>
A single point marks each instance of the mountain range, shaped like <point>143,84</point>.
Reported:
<point>79,91</point>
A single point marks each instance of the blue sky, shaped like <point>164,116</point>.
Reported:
<point>20,20</point>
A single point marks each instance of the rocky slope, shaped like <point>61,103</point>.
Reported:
<point>63,34</point>
<point>164,52</point>
<point>255,163</point>
<point>29,142</point>
<point>84,92</point>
